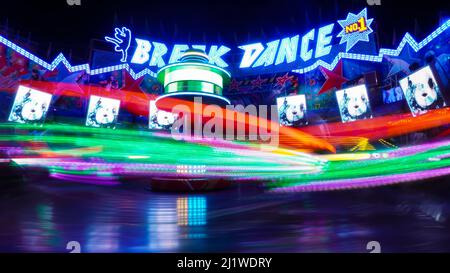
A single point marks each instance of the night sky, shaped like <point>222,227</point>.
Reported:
<point>71,28</point>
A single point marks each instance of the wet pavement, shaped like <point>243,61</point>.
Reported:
<point>45,216</point>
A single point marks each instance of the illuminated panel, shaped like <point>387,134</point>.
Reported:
<point>422,91</point>
<point>102,112</point>
<point>159,119</point>
<point>191,211</point>
<point>196,94</point>
<point>30,106</point>
<point>207,87</point>
<point>354,103</point>
<point>292,110</point>
<point>192,86</point>
<point>193,74</point>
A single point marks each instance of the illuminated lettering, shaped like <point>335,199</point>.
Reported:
<point>251,52</point>
<point>215,55</point>
<point>305,53</point>
<point>141,55</point>
<point>158,52</point>
<point>268,56</point>
<point>288,50</point>
<point>315,44</point>
<point>323,41</point>
<point>359,26</point>
<point>177,52</point>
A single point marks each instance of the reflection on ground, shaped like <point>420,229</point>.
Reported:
<point>44,217</point>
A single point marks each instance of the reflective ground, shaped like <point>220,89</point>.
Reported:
<point>45,216</point>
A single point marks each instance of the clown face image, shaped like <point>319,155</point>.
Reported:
<point>105,115</point>
<point>33,111</point>
<point>354,104</point>
<point>159,119</point>
<point>292,110</point>
<point>422,92</point>
<point>30,106</point>
<point>102,112</point>
<point>425,96</point>
<point>165,118</point>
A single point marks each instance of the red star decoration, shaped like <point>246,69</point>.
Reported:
<point>234,85</point>
<point>134,98</point>
<point>333,78</point>
<point>281,81</point>
<point>257,83</point>
<point>131,84</point>
<point>48,73</point>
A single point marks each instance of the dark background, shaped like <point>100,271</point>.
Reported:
<point>69,29</point>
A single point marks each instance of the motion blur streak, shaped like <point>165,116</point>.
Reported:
<point>385,126</point>
<point>101,155</point>
<point>407,164</point>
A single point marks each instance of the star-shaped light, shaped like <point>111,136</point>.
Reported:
<point>281,81</point>
<point>354,37</point>
<point>333,79</point>
<point>257,83</point>
<point>234,85</point>
<point>397,65</point>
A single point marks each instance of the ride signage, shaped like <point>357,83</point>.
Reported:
<point>295,52</point>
